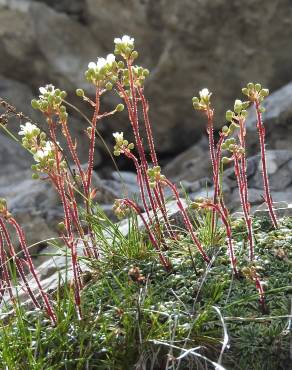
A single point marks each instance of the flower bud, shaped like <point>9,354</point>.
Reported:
<point>237,106</point>
<point>109,86</point>
<point>250,86</point>
<point>264,92</point>
<point>120,107</point>
<point>229,115</point>
<point>80,92</point>
<point>244,91</point>
<point>131,146</point>
<point>61,227</point>
<point>35,104</point>
<point>226,160</point>
<point>258,87</point>
<point>35,176</point>
<point>121,64</point>
<point>134,54</point>
<point>63,94</point>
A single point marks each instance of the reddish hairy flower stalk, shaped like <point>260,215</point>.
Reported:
<point>165,262</point>
<point>241,183</point>
<point>4,270</point>
<point>23,245</point>
<point>134,124</point>
<point>59,181</point>
<point>159,195</point>
<point>187,220</point>
<point>92,140</point>
<point>77,223</point>
<point>17,263</point>
<point>261,292</point>
<point>224,215</point>
<point>261,133</point>
<point>214,161</point>
<point>140,181</point>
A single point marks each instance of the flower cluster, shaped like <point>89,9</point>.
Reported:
<point>3,205</point>
<point>154,175</point>
<point>121,209</point>
<point>138,73</point>
<point>50,100</point>
<point>255,92</point>
<point>202,103</point>
<point>43,150</point>
<point>121,145</point>
<point>125,47</point>
<point>201,202</point>
<point>239,111</point>
<point>103,72</point>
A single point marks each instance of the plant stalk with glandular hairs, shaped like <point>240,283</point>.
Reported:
<point>256,95</point>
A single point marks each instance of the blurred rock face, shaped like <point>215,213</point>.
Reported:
<point>187,44</point>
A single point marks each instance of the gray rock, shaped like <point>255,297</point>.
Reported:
<point>191,165</point>
<point>185,45</point>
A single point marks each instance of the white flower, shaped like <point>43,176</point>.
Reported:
<point>44,152</point>
<point>110,59</point>
<point>102,62</point>
<point>127,40</point>
<point>40,155</point>
<point>204,94</point>
<point>92,65</point>
<point>27,129</point>
<point>49,147</point>
<point>48,89</point>
<point>119,136</point>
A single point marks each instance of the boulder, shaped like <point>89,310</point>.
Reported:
<point>280,177</point>
<point>184,43</point>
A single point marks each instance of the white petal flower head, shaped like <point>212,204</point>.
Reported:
<point>49,147</point>
<point>205,94</point>
<point>119,136</point>
<point>110,59</point>
<point>126,40</point>
<point>48,89</point>
<point>92,65</point>
<point>27,129</point>
<point>40,155</point>
<point>101,62</point>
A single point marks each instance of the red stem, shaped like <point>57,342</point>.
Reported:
<point>23,244</point>
<point>92,141</point>
<point>268,197</point>
<point>187,220</point>
<point>18,263</point>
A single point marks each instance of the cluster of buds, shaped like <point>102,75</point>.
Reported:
<point>121,145</point>
<point>121,209</point>
<point>255,93</point>
<point>201,202</point>
<point>155,176</point>
<point>239,111</point>
<point>50,100</point>
<point>102,73</point>
<point>235,149</point>
<point>203,102</point>
<point>139,76</point>
<point>125,47</point>
<point>251,272</point>
<point>43,151</point>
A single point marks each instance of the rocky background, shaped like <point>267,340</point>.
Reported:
<point>187,45</point>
